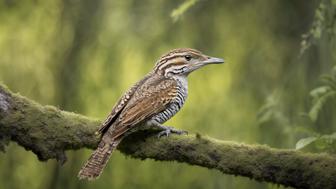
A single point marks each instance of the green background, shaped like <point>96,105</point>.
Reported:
<point>81,56</point>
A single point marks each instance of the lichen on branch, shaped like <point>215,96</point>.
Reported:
<point>45,130</point>
<point>49,132</point>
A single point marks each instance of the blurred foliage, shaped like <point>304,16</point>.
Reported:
<point>180,10</point>
<point>323,108</point>
<point>324,23</point>
<point>322,116</point>
<point>324,143</point>
<point>324,97</point>
<point>82,55</point>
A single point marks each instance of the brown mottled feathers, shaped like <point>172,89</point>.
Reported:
<point>149,97</point>
<point>118,107</point>
<point>148,100</point>
<point>98,160</point>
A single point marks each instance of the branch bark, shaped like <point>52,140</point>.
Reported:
<point>49,132</point>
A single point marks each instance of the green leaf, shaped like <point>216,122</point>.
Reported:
<point>319,91</point>
<point>179,11</point>
<point>319,104</point>
<point>329,80</point>
<point>304,142</point>
<point>324,143</point>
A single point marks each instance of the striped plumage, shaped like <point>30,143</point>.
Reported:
<point>176,103</point>
<point>153,100</point>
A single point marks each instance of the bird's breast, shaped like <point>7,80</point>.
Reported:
<point>177,102</point>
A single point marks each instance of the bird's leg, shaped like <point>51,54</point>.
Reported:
<point>167,130</point>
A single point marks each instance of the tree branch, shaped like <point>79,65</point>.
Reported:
<point>48,132</point>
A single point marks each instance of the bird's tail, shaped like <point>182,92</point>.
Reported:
<point>98,160</point>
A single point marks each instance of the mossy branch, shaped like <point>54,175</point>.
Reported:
<point>48,132</point>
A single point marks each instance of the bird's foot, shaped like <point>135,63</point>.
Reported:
<point>168,130</point>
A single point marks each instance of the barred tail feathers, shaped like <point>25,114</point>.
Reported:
<point>98,160</point>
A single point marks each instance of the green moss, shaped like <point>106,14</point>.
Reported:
<point>286,167</point>
<point>45,130</point>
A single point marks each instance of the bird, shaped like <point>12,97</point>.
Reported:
<point>152,101</point>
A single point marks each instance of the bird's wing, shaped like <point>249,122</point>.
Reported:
<point>151,98</point>
<point>119,106</point>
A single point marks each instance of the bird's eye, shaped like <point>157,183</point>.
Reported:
<point>187,57</point>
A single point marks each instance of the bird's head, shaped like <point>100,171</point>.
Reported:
<point>181,62</point>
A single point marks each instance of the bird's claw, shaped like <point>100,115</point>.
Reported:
<point>169,130</point>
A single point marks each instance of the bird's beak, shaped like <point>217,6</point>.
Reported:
<point>213,60</point>
<point>209,60</point>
